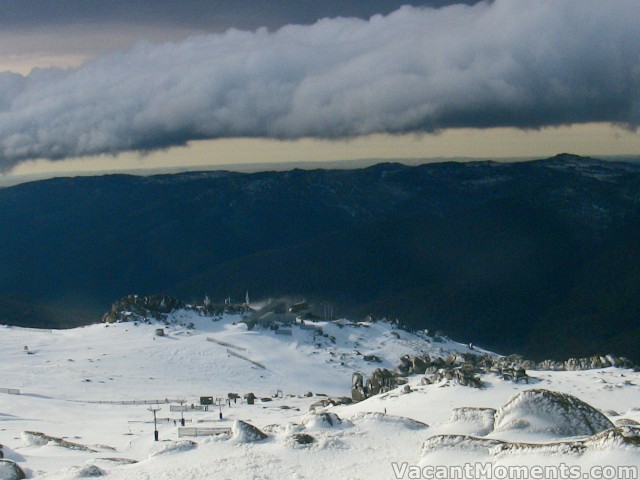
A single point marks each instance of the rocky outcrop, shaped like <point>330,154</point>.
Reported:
<point>381,380</point>
<point>453,367</point>
<point>611,438</point>
<point>516,362</point>
<point>587,363</point>
<point>141,308</point>
<point>626,422</point>
<point>41,439</point>
<point>465,369</point>
<point>331,401</point>
<point>412,364</point>
<point>464,375</point>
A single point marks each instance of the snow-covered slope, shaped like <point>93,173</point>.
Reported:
<point>64,374</point>
<point>127,361</point>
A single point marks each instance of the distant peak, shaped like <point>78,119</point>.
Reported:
<point>571,157</point>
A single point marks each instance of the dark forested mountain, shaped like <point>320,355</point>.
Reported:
<point>541,257</point>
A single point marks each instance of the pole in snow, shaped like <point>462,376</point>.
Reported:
<point>182,404</point>
<point>155,422</point>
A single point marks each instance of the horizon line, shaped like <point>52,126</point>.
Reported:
<point>9,180</point>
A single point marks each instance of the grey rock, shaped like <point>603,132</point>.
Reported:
<point>247,433</point>
<point>372,358</point>
<point>302,438</point>
<point>119,460</point>
<point>90,471</point>
<point>10,470</point>
<point>627,422</point>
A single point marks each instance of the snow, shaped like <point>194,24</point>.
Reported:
<point>79,385</point>
<point>470,421</point>
<point>542,411</point>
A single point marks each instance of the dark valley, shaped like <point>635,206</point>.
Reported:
<point>541,258</point>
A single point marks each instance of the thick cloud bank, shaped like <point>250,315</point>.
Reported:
<point>523,63</point>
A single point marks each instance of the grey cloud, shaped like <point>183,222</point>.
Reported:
<point>193,14</point>
<point>526,64</point>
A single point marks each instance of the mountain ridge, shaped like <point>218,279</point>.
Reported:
<point>505,253</point>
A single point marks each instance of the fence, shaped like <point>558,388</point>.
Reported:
<point>225,344</point>
<point>158,420</point>
<point>10,391</point>
<point>134,402</point>
<point>236,354</point>
<point>202,432</point>
<point>186,408</point>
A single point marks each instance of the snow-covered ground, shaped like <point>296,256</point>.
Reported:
<point>66,373</point>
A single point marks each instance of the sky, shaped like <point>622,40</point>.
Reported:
<point>93,85</point>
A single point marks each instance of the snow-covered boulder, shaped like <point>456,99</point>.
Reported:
<point>244,432</point>
<point>299,439</point>
<point>89,471</point>
<point>283,429</point>
<point>472,421</point>
<point>34,439</point>
<point>461,443</point>
<point>313,420</point>
<point>40,439</point>
<point>627,422</point>
<point>627,436</point>
<point>547,412</point>
<point>441,447</point>
<point>10,470</point>
<point>379,417</point>
<point>175,447</point>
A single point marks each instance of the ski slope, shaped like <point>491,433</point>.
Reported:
<point>79,384</point>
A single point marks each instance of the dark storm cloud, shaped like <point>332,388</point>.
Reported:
<point>200,14</point>
<point>525,64</point>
